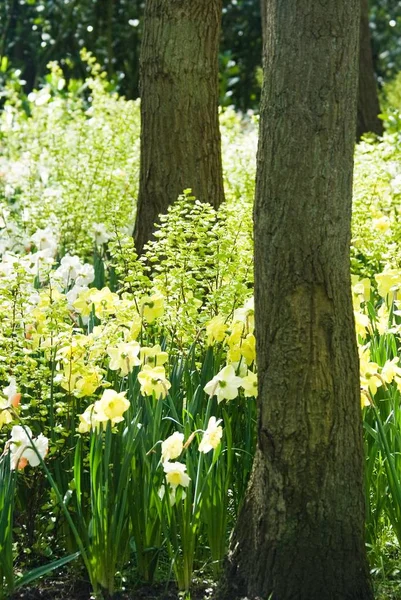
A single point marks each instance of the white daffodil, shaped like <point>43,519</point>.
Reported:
<point>175,474</point>
<point>250,384</point>
<point>212,436</point>
<point>21,447</point>
<point>224,385</point>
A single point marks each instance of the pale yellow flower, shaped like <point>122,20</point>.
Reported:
<point>172,495</point>
<point>172,446</point>
<point>5,414</point>
<point>234,354</point>
<point>112,406</point>
<point>153,356</point>
<point>175,474</point>
<point>224,385</point>
<point>391,370</point>
<point>105,302</point>
<point>362,324</point>
<point>246,315</point>
<point>248,348</point>
<point>153,381</point>
<point>152,307</point>
<point>369,372</point>
<point>361,288</point>
<point>250,385</point>
<point>83,304</point>
<point>216,330</point>
<point>383,319</point>
<point>85,420</point>
<point>124,357</point>
<point>236,333</point>
<point>87,383</point>
<point>212,436</point>
<point>388,281</point>
<point>381,224</point>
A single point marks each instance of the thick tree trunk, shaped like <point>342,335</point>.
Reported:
<point>180,138</point>
<point>300,534</point>
<point>368,101</point>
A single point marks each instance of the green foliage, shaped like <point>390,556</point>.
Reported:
<point>7,490</point>
<point>121,358</point>
<point>385,23</point>
<point>66,337</point>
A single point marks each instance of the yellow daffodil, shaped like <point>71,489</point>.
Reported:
<point>153,356</point>
<point>369,371</point>
<point>86,384</point>
<point>216,330</point>
<point>153,381</point>
<point>124,357</point>
<point>391,370</point>
<point>362,324</point>
<point>236,333</point>
<point>68,378</point>
<point>104,302</point>
<point>388,281</point>
<point>112,405</point>
<point>234,354</point>
<point>83,304</point>
<point>152,307</point>
<point>250,385</point>
<point>175,474</point>
<point>224,385</point>
<point>127,315</point>
<point>248,348</point>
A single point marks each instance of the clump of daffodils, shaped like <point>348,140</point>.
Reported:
<point>238,339</point>
<point>175,472</point>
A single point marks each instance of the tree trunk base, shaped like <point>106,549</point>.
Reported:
<point>275,556</point>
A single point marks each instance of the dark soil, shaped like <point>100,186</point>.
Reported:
<point>80,590</point>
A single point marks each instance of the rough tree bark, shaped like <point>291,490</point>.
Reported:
<point>368,101</point>
<point>180,137</point>
<point>300,534</point>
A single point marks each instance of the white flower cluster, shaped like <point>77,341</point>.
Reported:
<point>172,447</point>
<point>73,274</point>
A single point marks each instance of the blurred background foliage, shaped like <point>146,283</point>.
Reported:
<point>34,32</point>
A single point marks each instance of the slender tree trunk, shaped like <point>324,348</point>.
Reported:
<point>368,101</point>
<point>300,534</point>
<point>180,137</point>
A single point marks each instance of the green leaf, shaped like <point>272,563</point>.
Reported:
<point>45,569</point>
